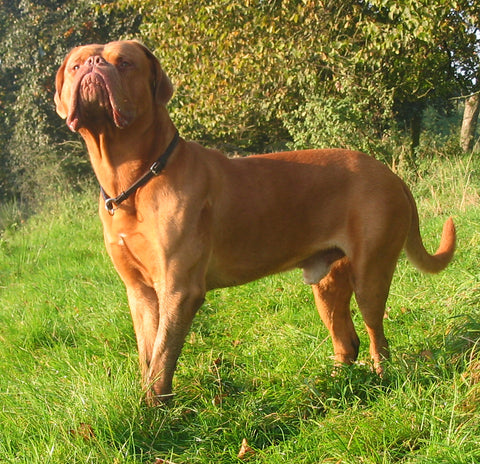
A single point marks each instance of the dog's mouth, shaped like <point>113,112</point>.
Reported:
<point>95,97</point>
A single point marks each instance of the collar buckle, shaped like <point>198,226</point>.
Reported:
<point>110,206</point>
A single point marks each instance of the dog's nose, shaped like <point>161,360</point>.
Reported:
<point>96,60</point>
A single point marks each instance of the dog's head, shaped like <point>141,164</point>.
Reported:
<point>111,84</point>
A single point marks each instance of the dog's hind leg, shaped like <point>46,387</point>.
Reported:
<point>332,297</point>
<point>371,286</point>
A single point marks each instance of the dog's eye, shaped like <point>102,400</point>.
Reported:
<point>76,67</point>
<point>123,64</point>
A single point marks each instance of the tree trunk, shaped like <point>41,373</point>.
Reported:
<point>469,123</point>
<point>415,131</point>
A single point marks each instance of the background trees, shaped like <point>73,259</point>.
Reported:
<point>250,75</point>
<point>312,72</point>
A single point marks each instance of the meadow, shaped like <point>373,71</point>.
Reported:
<point>257,364</point>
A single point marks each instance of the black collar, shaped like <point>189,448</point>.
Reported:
<point>112,204</point>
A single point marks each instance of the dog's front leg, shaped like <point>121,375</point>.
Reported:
<point>177,308</point>
<point>143,302</point>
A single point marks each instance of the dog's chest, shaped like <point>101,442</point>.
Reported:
<point>133,254</point>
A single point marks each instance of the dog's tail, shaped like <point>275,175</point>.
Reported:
<point>415,250</point>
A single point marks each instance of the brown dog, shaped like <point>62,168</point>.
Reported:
<point>198,220</point>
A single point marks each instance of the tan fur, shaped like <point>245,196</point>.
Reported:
<point>208,221</point>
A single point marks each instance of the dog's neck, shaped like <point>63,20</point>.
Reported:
<point>120,156</point>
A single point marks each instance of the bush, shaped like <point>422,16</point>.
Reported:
<point>343,120</point>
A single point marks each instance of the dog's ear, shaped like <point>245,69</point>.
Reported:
<point>59,104</point>
<point>162,86</point>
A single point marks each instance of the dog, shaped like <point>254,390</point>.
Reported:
<point>180,219</point>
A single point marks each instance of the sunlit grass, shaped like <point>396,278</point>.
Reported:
<point>256,364</point>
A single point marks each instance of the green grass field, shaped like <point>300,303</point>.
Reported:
<point>257,364</point>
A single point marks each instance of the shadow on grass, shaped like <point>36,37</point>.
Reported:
<point>463,336</point>
<point>212,414</point>
<point>200,424</point>
<point>346,387</point>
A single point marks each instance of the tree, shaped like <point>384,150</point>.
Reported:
<point>315,72</point>
<point>469,122</point>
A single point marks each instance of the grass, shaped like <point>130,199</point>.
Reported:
<point>256,365</point>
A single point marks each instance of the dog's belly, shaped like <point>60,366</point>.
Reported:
<point>246,265</point>
<point>231,277</point>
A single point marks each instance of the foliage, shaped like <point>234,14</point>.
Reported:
<point>35,151</point>
<point>233,75</point>
<point>267,72</point>
<point>352,121</point>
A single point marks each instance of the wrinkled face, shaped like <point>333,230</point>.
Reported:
<point>110,84</point>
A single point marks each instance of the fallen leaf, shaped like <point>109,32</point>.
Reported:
<point>218,400</point>
<point>245,450</point>
<point>427,354</point>
<point>216,363</point>
<point>84,431</point>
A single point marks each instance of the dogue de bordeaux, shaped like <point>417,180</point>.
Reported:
<point>180,219</point>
